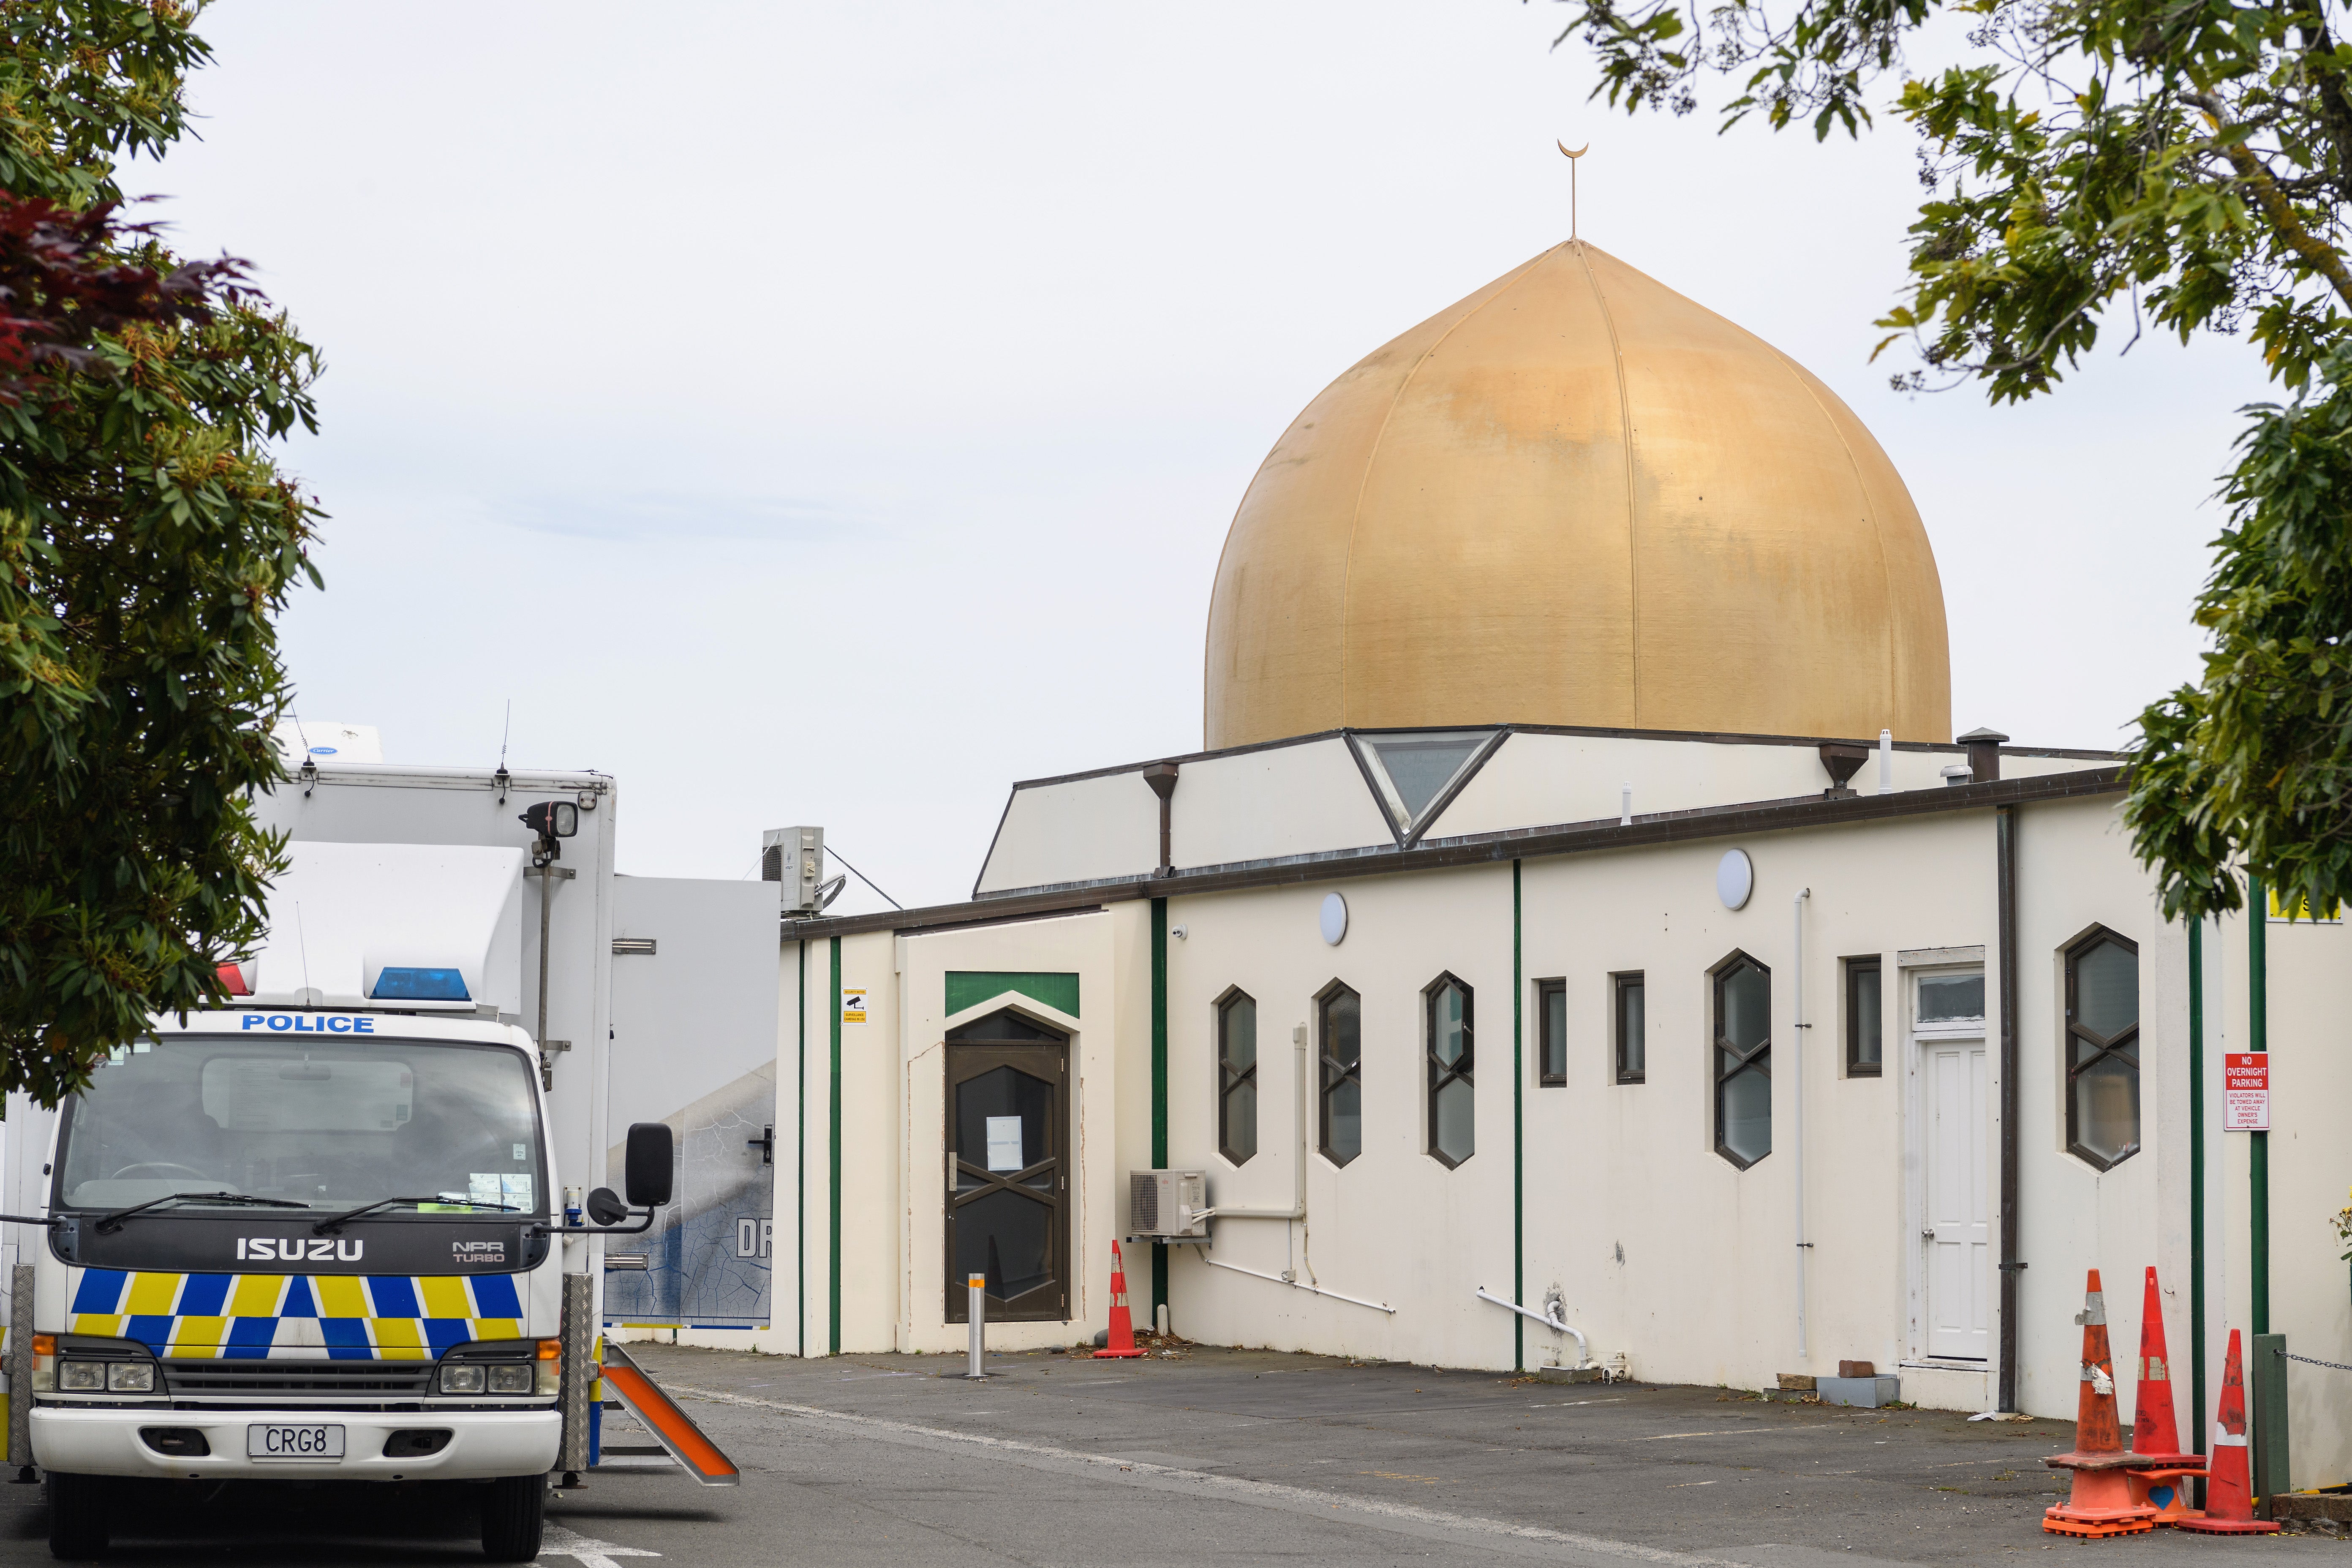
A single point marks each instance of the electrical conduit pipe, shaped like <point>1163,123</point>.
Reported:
<point>1298,1210</point>
<point>1797,1091</point>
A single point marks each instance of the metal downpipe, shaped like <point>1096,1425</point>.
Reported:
<point>1797,1093</point>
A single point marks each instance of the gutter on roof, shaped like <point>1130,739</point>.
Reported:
<point>1529,843</point>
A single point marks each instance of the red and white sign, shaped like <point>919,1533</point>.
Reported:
<point>2246,1091</point>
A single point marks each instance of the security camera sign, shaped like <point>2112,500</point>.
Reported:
<point>2246,1091</point>
<point>852,1005</point>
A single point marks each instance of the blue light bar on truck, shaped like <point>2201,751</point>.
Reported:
<point>420,985</point>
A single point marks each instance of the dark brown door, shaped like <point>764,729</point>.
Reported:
<point>1008,1165</point>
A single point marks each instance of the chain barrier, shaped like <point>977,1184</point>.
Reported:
<point>2315,1361</point>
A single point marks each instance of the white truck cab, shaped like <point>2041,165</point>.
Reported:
<point>321,1234</point>
<point>302,1245</point>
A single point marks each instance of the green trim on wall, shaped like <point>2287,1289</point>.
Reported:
<point>833,1294</point>
<point>800,1182</point>
<point>971,988</point>
<point>2258,1144</point>
<point>1519,1163</point>
<point>2197,1180</point>
<point>1159,1087</point>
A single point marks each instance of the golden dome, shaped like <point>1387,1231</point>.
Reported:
<point>1577,498</point>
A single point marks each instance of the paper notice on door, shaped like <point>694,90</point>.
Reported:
<point>1005,1143</point>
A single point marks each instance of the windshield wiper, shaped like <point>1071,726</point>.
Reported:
<point>109,1224</point>
<point>333,1222</point>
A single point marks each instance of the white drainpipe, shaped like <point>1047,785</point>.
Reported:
<point>1797,1090</point>
<point>1583,1351</point>
<point>1886,762</point>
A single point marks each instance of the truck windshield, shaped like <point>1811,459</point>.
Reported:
<point>332,1126</point>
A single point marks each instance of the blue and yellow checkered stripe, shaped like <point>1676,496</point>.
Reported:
<point>334,1316</point>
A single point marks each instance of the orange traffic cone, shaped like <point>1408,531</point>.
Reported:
<point>1122,1326</point>
<point>2229,1491</point>
<point>2101,1503</point>
<point>2156,1435</point>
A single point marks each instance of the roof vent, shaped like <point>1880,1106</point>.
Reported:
<point>1984,754</point>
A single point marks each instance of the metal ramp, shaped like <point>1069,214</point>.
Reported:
<point>682,1442</point>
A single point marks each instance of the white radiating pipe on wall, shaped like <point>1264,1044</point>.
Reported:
<point>1583,1351</point>
<point>1302,1285</point>
<point>1797,1092</point>
<point>1886,762</point>
<point>1298,1210</point>
<point>1625,805</point>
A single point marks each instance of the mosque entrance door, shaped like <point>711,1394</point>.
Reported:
<point>1008,1168</point>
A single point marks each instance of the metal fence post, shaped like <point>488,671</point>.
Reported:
<point>977,1310</point>
<point>2272,1466</point>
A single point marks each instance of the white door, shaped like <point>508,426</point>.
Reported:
<point>1955,1232</point>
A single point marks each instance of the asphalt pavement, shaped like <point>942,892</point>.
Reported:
<point>1211,1457</point>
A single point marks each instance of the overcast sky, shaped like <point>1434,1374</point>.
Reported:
<point>833,414</point>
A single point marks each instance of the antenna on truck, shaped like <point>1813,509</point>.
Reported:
<point>302,946</point>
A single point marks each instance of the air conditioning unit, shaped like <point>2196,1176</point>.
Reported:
<point>1169,1202</point>
<point>795,857</point>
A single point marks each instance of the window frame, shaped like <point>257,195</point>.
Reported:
<point>2126,1041</point>
<point>1760,1058</point>
<point>1439,1074</point>
<point>1545,1046</point>
<point>1913,988</point>
<point>1853,968</point>
<point>1331,1074</point>
<point>1619,981</point>
<point>1228,1080</point>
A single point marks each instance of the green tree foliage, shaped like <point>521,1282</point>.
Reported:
<point>146,541</point>
<point>2118,165</point>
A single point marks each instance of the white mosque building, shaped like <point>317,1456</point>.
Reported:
<point>1581,905</point>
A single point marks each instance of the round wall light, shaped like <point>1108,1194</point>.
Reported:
<point>1735,878</point>
<point>1335,917</point>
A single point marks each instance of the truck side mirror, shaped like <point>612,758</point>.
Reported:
<point>645,1167</point>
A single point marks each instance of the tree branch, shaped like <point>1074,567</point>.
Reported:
<point>2322,257</point>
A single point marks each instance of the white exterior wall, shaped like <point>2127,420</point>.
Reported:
<point>2310,995</point>
<point>1394,1225</point>
<point>1634,1167</point>
<point>2310,970</point>
<point>873,1135</point>
<point>1075,832</point>
<point>1264,804</point>
<point>2075,869</point>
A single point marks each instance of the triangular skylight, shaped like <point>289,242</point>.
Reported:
<point>1417,773</point>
